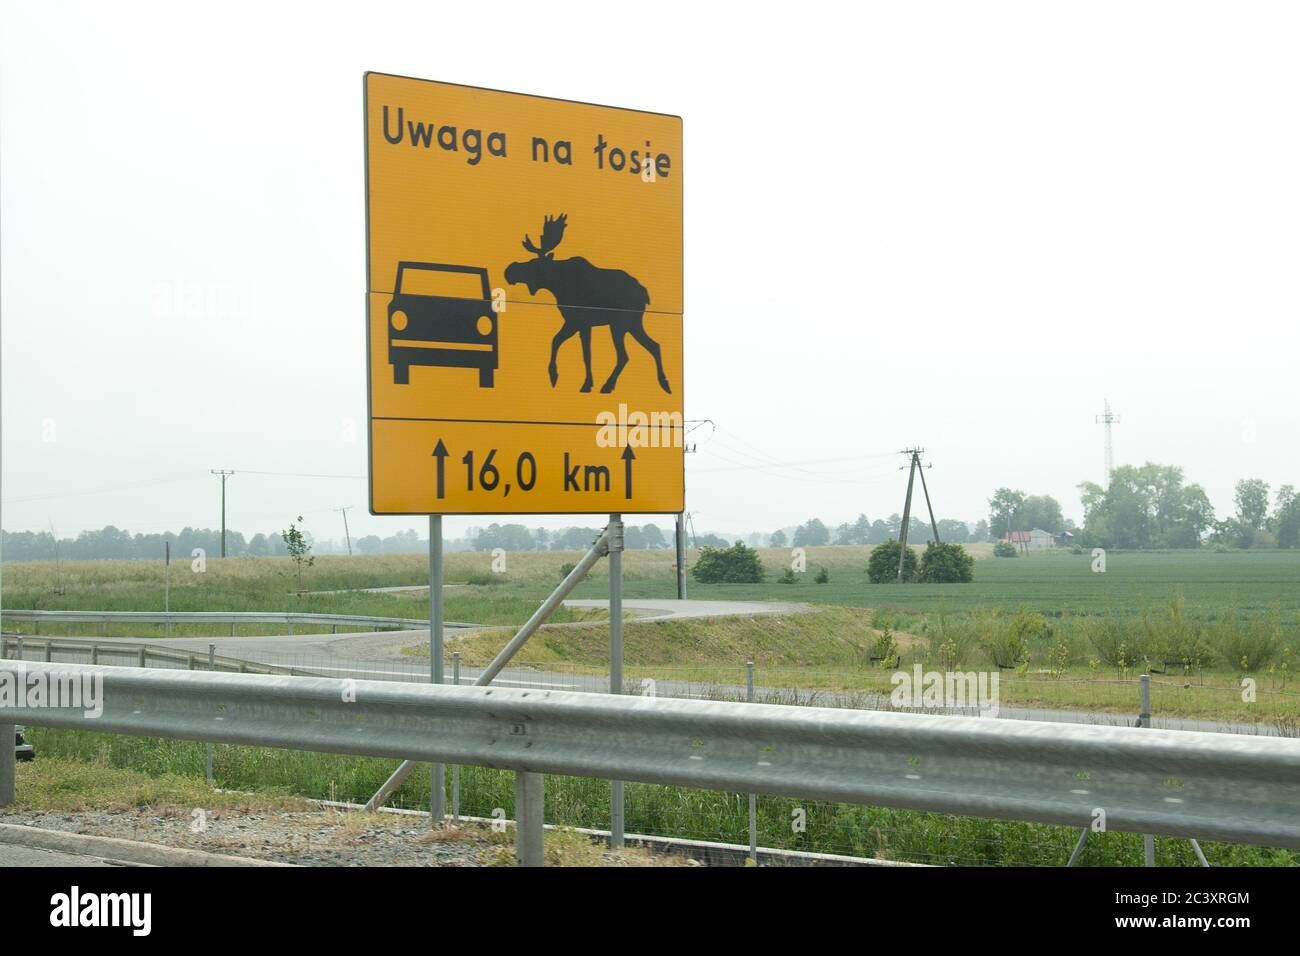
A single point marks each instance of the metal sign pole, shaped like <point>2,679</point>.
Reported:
<point>167,568</point>
<point>681,555</point>
<point>438,773</point>
<point>615,661</point>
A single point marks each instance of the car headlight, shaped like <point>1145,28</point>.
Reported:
<point>484,325</point>
<point>398,319</point>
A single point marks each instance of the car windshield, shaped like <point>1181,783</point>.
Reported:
<point>416,281</point>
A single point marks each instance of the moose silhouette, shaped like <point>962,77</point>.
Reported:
<point>587,296</point>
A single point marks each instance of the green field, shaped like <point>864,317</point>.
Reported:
<point>1087,637</point>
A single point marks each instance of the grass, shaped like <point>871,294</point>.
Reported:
<point>79,769</point>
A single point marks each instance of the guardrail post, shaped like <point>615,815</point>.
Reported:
<point>18,649</point>
<point>1144,720</point>
<point>232,628</point>
<point>290,623</point>
<point>212,666</point>
<point>615,662</point>
<point>8,765</point>
<point>143,657</point>
<point>191,662</point>
<point>437,771</point>
<point>530,847</point>
<point>4,643</point>
<point>455,770</point>
<point>753,798</point>
<point>94,653</point>
<point>49,649</point>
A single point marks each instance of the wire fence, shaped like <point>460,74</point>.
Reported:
<point>874,833</point>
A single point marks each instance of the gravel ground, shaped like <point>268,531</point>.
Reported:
<point>316,838</point>
<point>325,837</point>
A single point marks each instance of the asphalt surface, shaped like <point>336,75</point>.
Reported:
<point>11,855</point>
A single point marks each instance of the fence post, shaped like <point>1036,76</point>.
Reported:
<point>94,653</point>
<point>8,764</point>
<point>753,798</point>
<point>529,828</point>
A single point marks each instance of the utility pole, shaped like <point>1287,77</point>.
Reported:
<point>346,535</point>
<point>224,475</point>
<point>1108,418</point>
<point>913,467</point>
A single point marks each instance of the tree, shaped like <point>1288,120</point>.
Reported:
<point>1040,511</point>
<point>299,548</point>
<point>946,564</point>
<point>1003,508</point>
<point>953,532</point>
<point>1146,507</point>
<point>861,530</point>
<point>981,532</point>
<point>1285,523</point>
<point>737,564</point>
<point>777,539</point>
<point>653,536</point>
<point>812,534</point>
<point>1251,499</point>
<point>882,566</point>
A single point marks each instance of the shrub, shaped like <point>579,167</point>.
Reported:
<point>823,576</point>
<point>735,565</point>
<point>946,564</point>
<point>885,649</point>
<point>1250,647</point>
<point>787,577</point>
<point>1005,549</point>
<point>1007,645</point>
<point>566,569</point>
<point>882,566</point>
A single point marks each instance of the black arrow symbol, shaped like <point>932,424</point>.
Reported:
<point>440,452</point>
<point>628,457</point>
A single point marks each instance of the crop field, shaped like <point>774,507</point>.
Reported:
<point>1066,638</point>
<point>1061,634</point>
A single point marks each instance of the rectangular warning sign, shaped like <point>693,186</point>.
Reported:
<point>524,307</point>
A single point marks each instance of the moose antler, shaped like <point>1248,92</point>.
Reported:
<point>552,233</point>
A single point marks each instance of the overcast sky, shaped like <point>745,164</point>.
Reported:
<point>961,226</point>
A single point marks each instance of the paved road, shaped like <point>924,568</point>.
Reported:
<point>653,609</point>
<point>11,855</point>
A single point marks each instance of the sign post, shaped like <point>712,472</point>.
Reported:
<point>524,303</point>
<point>437,773</point>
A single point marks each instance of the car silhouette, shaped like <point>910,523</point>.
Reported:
<point>22,749</point>
<point>428,327</point>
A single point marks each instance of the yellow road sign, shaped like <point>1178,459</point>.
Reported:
<point>524,320</point>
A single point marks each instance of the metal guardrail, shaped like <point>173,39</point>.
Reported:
<point>221,617</point>
<point>1175,783</point>
<point>139,655</point>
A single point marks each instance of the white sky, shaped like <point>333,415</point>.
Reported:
<point>961,226</point>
